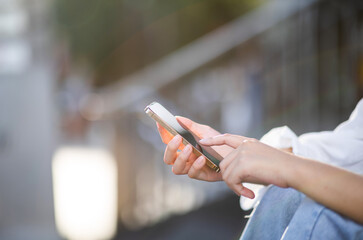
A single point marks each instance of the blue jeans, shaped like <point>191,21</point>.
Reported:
<point>285,213</point>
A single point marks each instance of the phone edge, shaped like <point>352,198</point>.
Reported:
<point>156,118</point>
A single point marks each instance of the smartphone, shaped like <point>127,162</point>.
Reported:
<point>167,120</point>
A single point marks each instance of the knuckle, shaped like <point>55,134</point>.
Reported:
<point>224,178</point>
<point>227,135</point>
<point>240,149</point>
<point>251,140</point>
<point>191,174</point>
<point>175,171</point>
<point>222,166</point>
<point>183,157</point>
<point>172,147</point>
<point>167,160</point>
<point>246,143</point>
<point>205,127</point>
<point>230,186</point>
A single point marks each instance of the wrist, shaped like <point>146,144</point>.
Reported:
<point>295,172</point>
<point>290,171</point>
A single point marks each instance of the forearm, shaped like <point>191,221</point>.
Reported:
<point>338,189</point>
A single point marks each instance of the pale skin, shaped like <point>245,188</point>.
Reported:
<point>249,160</point>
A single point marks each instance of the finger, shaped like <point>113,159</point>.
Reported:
<point>199,130</point>
<point>190,161</point>
<point>234,177</point>
<point>225,139</point>
<point>181,161</point>
<point>164,134</point>
<point>240,190</point>
<point>224,164</point>
<point>186,122</point>
<point>160,128</point>
<point>196,167</point>
<point>235,184</point>
<point>171,150</point>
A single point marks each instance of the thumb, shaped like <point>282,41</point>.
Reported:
<point>186,123</point>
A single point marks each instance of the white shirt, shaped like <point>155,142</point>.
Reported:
<point>342,147</point>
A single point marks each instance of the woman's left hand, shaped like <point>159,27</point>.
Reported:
<point>250,161</point>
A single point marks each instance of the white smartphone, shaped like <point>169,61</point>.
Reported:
<point>167,120</point>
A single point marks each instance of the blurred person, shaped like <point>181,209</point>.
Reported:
<point>312,185</point>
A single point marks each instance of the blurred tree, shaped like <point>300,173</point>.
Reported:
<point>117,37</point>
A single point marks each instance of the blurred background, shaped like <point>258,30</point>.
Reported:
<point>79,158</point>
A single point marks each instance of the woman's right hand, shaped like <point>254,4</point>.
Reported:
<point>185,162</point>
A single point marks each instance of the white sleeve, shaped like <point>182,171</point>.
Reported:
<point>342,147</point>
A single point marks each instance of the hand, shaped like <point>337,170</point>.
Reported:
<point>250,161</point>
<point>185,162</point>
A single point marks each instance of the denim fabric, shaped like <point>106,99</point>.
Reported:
<point>288,214</point>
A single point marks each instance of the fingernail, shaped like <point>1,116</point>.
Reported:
<point>249,194</point>
<point>252,195</point>
<point>199,161</point>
